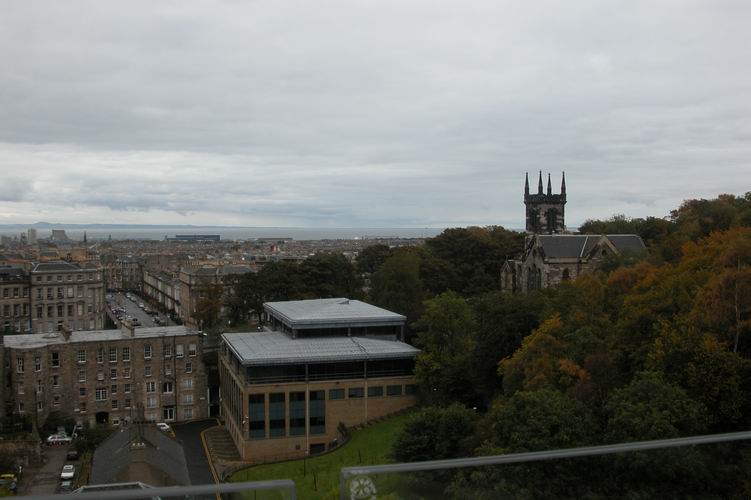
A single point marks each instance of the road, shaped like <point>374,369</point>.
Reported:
<point>189,435</point>
<point>44,481</point>
<point>132,309</point>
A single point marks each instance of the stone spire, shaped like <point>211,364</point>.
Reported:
<point>563,184</point>
<point>526,184</point>
<point>550,187</point>
<point>539,184</point>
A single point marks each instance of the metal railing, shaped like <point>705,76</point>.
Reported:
<point>286,487</point>
<point>348,473</point>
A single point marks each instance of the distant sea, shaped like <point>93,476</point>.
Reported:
<point>98,232</point>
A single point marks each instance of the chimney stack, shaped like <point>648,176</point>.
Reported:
<point>66,332</point>
<point>128,328</point>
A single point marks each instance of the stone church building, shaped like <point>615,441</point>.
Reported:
<point>550,255</point>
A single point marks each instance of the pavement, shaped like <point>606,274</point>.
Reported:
<point>44,481</point>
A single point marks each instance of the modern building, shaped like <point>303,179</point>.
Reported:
<point>195,238</point>
<point>66,294</point>
<point>550,257</point>
<point>324,365</point>
<point>14,299</point>
<point>109,376</point>
<point>31,236</point>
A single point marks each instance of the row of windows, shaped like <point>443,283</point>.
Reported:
<point>68,277</point>
<point>71,310</point>
<point>18,310</point>
<point>17,292</point>
<point>72,292</point>
<point>111,356</point>
<point>375,391</point>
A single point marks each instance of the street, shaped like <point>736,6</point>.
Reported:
<point>44,481</point>
<point>145,320</point>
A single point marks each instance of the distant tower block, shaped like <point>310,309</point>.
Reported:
<point>545,211</point>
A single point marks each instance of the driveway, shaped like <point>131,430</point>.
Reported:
<point>189,435</point>
<point>44,481</point>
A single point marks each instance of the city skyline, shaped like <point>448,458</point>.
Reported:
<point>344,115</point>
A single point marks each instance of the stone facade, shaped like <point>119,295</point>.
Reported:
<point>108,376</point>
<point>194,282</point>
<point>14,299</point>
<point>545,212</point>
<point>66,294</point>
<point>163,289</point>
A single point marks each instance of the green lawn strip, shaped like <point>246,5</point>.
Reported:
<point>318,478</point>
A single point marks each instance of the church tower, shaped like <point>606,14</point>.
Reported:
<point>545,211</point>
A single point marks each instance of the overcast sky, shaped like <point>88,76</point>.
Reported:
<point>368,114</point>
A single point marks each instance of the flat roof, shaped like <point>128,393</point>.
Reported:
<point>339,312</point>
<point>277,348</point>
<point>35,340</point>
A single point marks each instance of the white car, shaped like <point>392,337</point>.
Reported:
<point>69,472</point>
<point>163,426</point>
<point>58,439</point>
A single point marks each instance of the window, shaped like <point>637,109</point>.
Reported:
<point>82,406</point>
<point>40,312</point>
<point>56,401</point>
<point>100,394</point>
<point>317,412</point>
<point>150,387</point>
<point>50,311</point>
<point>20,388</point>
<point>188,413</point>
<point>356,392</point>
<point>37,364</point>
<point>188,367</point>
<point>179,351</point>
<point>126,372</point>
<point>168,370</point>
<point>126,353</point>
<point>113,373</point>
<point>126,388</point>
<point>19,365</point>
<point>71,293</point>
<point>191,349</point>
<point>393,390</point>
<point>127,403</point>
<point>296,413</point>
<point>40,405</point>
<point>114,404</point>
<point>60,311</point>
<point>375,392</point>
<point>151,402</point>
<point>277,413</point>
<point>167,348</point>
<point>336,393</point>
<point>39,387</point>
<point>410,389</point>
<point>56,381</point>
<point>146,351</point>
<point>188,383</point>
<point>100,355</point>
<point>168,414</point>
<point>167,388</point>
<point>100,376</point>
<point>82,356</point>
<point>187,399</point>
<point>113,389</point>
<point>257,415</point>
<point>146,371</point>
<point>113,355</point>
<point>82,375</point>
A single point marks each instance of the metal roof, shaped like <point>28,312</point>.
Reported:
<point>339,312</point>
<point>575,246</point>
<point>35,340</point>
<point>277,348</point>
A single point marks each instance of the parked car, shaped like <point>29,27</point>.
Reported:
<point>71,456</point>
<point>58,439</point>
<point>65,486</point>
<point>69,472</point>
<point>165,428</point>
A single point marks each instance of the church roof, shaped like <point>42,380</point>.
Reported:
<point>575,246</point>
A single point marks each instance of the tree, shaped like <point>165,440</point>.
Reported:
<point>371,258</point>
<point>446,335</point>
<point>435,433</point>
<point>209,307</point>
<point>397,286</point>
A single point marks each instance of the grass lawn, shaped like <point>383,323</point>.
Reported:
<point>318,478</point>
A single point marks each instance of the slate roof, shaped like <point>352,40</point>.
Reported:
<point>55,266</point>
<point>277,348</point>
<point>574,246</point>
<point>339,312</point>
<point>34,340</point>
<point>159,451</point>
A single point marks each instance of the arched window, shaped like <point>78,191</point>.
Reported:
<point>566,275</point>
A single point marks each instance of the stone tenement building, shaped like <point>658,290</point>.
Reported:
<point>163,288</point>
<point>194,283</point>
<point>551,258</point>
<point>326,363</point>
<point>66,294</point>
<point>107,376</point>
<point>14,299</point>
